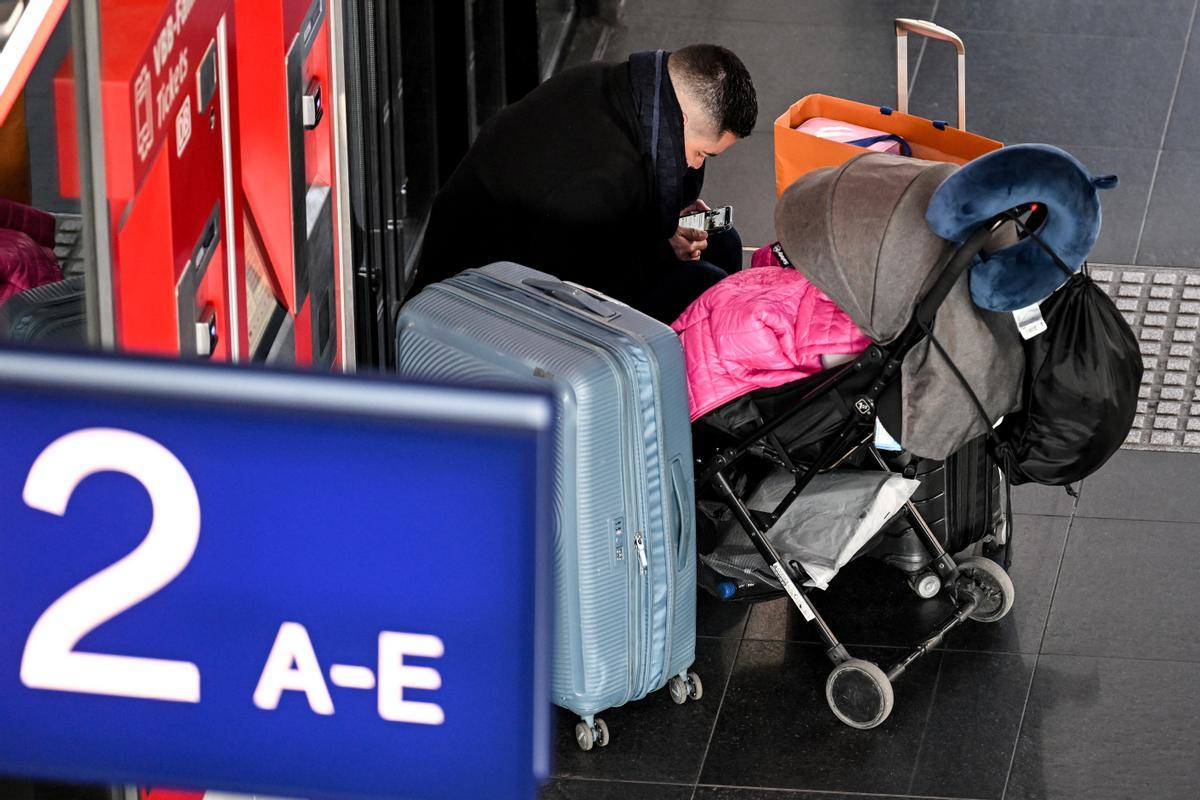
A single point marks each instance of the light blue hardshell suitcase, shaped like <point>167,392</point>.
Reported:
<point>624,546</point>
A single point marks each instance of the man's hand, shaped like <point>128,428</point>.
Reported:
<point>699,205</point>
<point>688,243</point>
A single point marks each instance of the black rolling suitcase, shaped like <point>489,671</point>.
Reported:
<point>50,315</point>
<point>960,498</point>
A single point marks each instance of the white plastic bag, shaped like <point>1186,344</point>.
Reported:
<point>832,519</point>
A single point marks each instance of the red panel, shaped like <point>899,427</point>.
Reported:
<point>150,50</point>
<point>293,16</point>
<point>64,115</point>
<point>213,291</point>
<point>197,190</point>
<point>261,80</point>
<point>121,171</point>
<point>164,162</point>
<point>117,134</point>
<point>304,334</point>
<point>265,32</point>
<point>144,276</point>
<point>169,794</point>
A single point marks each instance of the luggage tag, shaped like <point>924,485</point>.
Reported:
<point>884,440</point>
<point>1029,320</point>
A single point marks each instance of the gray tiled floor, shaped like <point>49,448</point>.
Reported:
<point>1109,729</point>
<point>1144,486</point>
<point>1137,562</point>
<point>1091,687</point>
<point>1043,87</point>
<point>1125,206</point>
<point>1170,235</point>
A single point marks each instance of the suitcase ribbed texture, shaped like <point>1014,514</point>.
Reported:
<point>622,465</point>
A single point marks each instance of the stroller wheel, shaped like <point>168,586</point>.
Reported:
<point>925,584</point>
<point>986,578</point>
<point>859,693</point>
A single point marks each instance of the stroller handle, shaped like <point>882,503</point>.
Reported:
<point>959,260</point>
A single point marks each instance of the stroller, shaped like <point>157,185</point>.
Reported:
<point>827,420</point>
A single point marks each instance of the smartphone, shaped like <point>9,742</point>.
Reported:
<point>713,221</point>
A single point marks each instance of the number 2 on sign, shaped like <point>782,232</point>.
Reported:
<point>50,660</point>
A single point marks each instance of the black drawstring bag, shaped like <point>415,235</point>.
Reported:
<point>1081,386</point>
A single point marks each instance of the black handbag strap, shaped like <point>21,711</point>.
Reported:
<point>999,448</point>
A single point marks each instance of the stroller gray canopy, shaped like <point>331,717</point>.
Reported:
<point>858,232</point>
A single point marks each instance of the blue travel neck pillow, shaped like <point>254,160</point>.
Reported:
<point>1023,273</point>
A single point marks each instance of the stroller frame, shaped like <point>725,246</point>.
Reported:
<point>859,692</point>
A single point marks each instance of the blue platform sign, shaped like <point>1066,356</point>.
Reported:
<point>298,585</point>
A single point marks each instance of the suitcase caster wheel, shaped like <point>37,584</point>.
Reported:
<point>583,736</point>
<point>859,693</point>
<point>679,690</point>
<point>991,583</point>
<point>685,687</point>
<point>586,736</point>
<point>926,585</point>
<point>601,733</point>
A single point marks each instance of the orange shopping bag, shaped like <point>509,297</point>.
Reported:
<point>798,152</point>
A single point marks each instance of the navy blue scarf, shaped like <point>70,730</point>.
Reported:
<point>661,121</point>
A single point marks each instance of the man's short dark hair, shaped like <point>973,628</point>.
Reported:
<point>721,82</point>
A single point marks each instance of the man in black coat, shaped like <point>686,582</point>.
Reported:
<point>586,177</point>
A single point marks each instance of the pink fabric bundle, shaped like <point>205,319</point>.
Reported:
<point>765,257</point>
<point>839,131</point>
<point>36,224</point>
<point>759,328</point>
<point>26,258</point>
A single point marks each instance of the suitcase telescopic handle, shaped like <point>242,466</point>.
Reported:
<point>572,296</point>
<point>920,26</point>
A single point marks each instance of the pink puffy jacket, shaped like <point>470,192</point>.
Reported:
<point>759,328</point>
<point>26,257</point>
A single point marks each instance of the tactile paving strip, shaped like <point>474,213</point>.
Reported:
<point>1162,306</point>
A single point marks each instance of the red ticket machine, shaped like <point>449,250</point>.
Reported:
<point>286,150</point>
<point>172,174</point>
